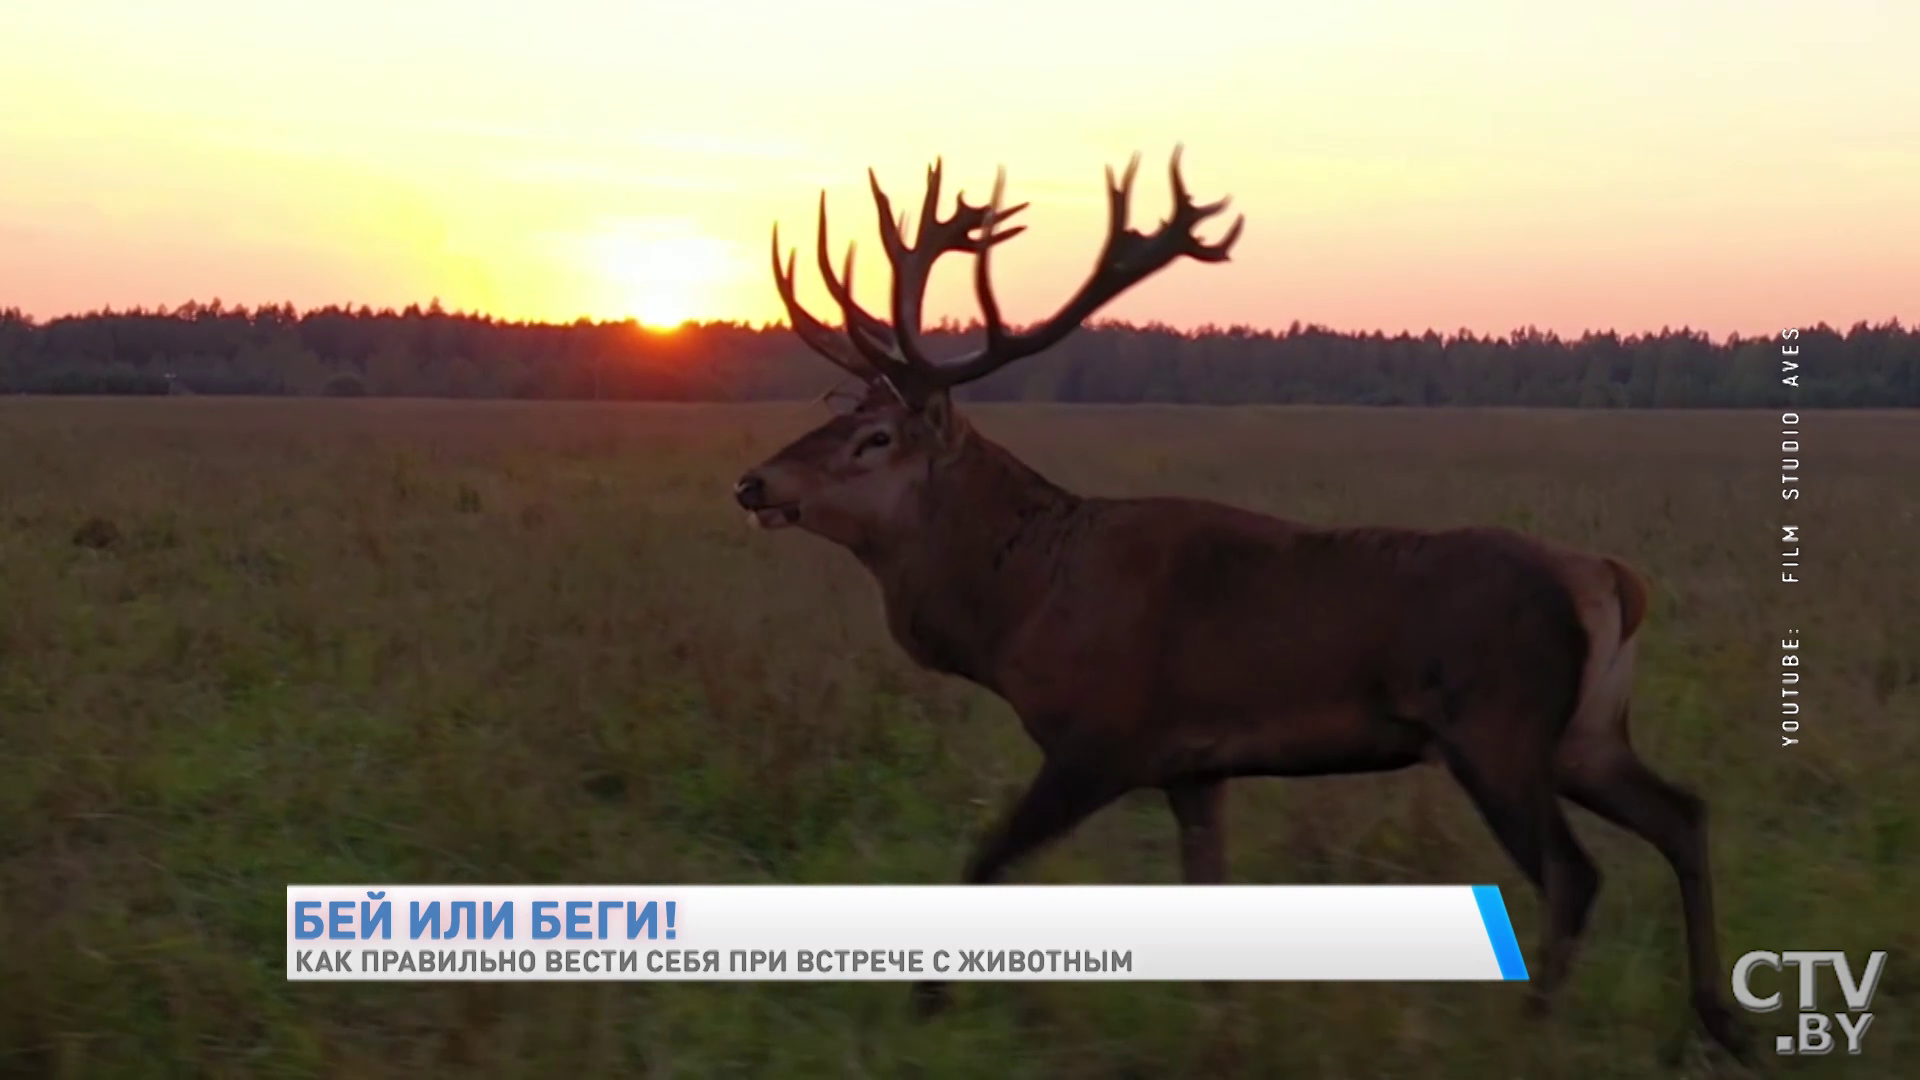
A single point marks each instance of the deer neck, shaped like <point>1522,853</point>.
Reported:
<point>975,561</point>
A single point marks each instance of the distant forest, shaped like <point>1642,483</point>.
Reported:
<point>337,351</point>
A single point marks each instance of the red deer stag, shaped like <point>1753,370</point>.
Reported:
<point>1177,643</point>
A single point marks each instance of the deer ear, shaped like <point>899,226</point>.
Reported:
<point>947,429</point>
<point>938,412</point>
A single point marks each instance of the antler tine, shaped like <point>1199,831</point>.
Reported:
<point>1120,197</point>
<point>891,230</point>
<point>1126,258</point>
<point>982,263</point>
<point>929,206</point>
<point>817,335</point>
<point>870,335</point>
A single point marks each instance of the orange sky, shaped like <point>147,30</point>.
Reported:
<point>1482,164</point>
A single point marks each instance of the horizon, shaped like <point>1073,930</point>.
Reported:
<point>1726,169</point>
<point>946,324</point>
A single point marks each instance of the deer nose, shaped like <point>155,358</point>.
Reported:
<point>750,492</point>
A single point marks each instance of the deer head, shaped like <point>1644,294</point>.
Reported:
<point>860,476</point>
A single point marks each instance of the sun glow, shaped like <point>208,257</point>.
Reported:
<point>663,272</point>
<point>663,309</point>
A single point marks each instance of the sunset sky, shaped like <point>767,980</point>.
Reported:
<point>1403,165</point>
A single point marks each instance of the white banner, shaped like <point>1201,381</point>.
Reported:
<point>829,933</point>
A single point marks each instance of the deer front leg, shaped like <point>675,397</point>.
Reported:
<point>1059,798</point>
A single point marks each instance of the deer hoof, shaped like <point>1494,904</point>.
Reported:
<point>1727,1030</point>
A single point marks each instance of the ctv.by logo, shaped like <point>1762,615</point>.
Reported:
<point>1815,1035</point>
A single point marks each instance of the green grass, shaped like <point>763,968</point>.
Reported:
<point>504,643</point>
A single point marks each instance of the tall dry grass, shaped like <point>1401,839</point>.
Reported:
<point>495,642</point>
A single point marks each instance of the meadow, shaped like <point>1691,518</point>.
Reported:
<point>248,642</point>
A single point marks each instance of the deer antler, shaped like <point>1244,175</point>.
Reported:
<point>913,266</point>
<point>873,350</point>
<point>1126,259</point>
<point>818,335</point>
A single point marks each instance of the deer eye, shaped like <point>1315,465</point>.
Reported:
<point>873,442</point>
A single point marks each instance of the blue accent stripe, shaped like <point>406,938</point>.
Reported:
<point>1493,912</point>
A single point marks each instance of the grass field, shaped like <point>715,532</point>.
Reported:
<point>502,643</point>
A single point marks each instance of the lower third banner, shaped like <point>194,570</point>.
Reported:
<point>830,933</point>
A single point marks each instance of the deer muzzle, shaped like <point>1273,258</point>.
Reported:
<point>751,493</point>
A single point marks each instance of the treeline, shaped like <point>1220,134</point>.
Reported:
<point>339,351</point>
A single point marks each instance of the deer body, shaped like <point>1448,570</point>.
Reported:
<point>1168,638</point>
<point>1179,643</point>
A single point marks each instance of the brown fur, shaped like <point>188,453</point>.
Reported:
<point>1633,597</point>
<point>1177,644</point>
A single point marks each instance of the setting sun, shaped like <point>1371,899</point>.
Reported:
<point>663,309</point>
<point>662,271</point>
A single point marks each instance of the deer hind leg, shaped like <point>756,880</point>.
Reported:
<point>1511,785</point>
<point>1060,797</point>
<point>1607,778</point>
<point>1199,811</point>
